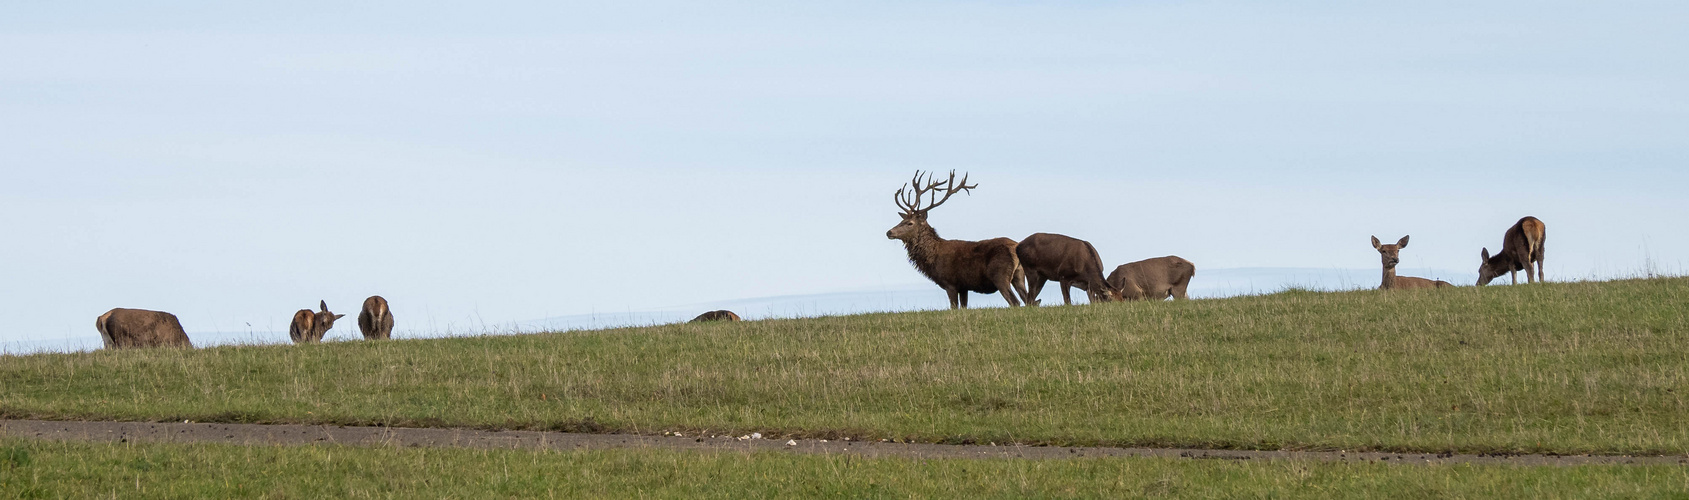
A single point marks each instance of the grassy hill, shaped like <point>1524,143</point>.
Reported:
<point>1556,368</point>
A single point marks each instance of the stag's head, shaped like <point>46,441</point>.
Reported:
<point>1488,272</point>
<point>909,199</point>
<point>325,319</point>
<point>1108,294</point>
<point>1392,254</point>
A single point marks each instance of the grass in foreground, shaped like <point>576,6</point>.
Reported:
<point>1558,368</point>
<point>32,469</point>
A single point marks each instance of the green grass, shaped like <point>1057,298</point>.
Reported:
<point>1559,368</point>
<point>35,469</point>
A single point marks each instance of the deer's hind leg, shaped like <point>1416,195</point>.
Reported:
<point>1066,293</point>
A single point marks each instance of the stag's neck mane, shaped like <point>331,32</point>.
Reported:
<point>923,250</point>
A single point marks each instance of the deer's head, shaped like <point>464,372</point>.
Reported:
<point>1488,272</point>
<point>325,319</point>
<point>909,197</point>
<point>1391,254</point>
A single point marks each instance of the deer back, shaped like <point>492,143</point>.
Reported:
<point>130,328</point>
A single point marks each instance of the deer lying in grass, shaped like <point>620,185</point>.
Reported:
<point>722,315</point>
<point>1520,247</point>
<point>130,328</point>
<point>1153,279</point>
<point>309,327</point>
<point>1066,260</point>
<point>1392,256</point>
<point>957,266</point>
<point>375,320</point>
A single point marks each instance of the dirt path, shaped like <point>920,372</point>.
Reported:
<point>251,434</point>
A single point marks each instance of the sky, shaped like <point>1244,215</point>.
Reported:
<point>494,162</point>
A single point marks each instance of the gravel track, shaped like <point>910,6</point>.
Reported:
<point>256,434</point>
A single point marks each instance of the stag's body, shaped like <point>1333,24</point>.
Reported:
<point>1520,247</point>
<point>722,315</point>
<point>957,266</point>
<point>1153,279</point>
<point>1066,260</point>
<point>1391,255</point>
<point>130,328</point>
<point>309,327</point>
<point>375,320</point>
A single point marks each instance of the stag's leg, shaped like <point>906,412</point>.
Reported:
<point>953,303</point>
<point>1514,275</point>
<point>1066,297</point>
<point>1179,290</point>
<point>1021,288</point>
<point>964,296</point>
<point>1006,287</point>
<point>1034,286</point>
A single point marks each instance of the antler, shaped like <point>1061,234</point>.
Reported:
<point>912,204</point>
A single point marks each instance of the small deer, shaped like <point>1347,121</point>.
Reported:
<point>957,266</point>
<point>131,328</point>
<point>722,315</point>
<point>1153,279</point>
<point>309,327</point>
<point>1521,246</point>
<point>375,320</point>
<point>1392,255</point>
<point>1066,260</point>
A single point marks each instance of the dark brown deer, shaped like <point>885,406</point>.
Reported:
<point>1520,247</point>
<point>1392,255</point>
<point>1153,279</point>
<point>957,266</point>
<point>309,327</point>
<point>375,320</point>
<point>130,328</point>
<point>1066,260</point>
<point>722,315</point>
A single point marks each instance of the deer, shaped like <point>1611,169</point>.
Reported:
<point>957,266</point>
<point>375,320</point>
<point>135,328</point>
<point>309,327</point>
<point>1392,255</point>
<point>1520,247</point>
<point>1153,279</point>
<point>1066,260</point>
<point>722,315</point>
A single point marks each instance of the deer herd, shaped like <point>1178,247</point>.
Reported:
<point>1017,270</point>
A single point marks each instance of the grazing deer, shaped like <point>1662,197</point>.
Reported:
<point>130,328</point>
<point>309,327</point>
<point>1521,246</point>
<point>957,266</point>
<point>375,320</point>
<point>722,315</point>
<point>1065,260</point>
<point>1392,255</point>
<point>1153,279</point>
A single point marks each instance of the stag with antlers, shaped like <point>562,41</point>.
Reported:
<point>957,266</point>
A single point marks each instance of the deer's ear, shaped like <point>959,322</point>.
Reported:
<point>1375,243</point>
<point>1486,254</point>
<point>324,304</point>
<point>1402,243</point>
<point>338,316</point>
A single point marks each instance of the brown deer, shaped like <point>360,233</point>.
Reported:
<point>722,315</point>
<point>375,320</point>
<point>1521,246</point>
<point>130,328</point>
<point>1066,260</point>
<point>957,266</point>
<point>1392,255</point>
<point>1153,279</point>
<point>309,327</point>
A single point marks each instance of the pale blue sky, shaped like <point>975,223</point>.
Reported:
<point>495,162</point>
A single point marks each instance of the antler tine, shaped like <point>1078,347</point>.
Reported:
<point>950,188</point>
